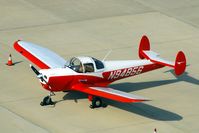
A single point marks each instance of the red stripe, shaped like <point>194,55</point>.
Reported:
<point>30,56</point>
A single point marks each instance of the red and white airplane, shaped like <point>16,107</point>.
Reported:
<point>90,75</point>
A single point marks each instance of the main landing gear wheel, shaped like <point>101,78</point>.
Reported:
<point>96,103</point>
<point>47,101</point>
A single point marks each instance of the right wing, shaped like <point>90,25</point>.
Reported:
<point>110,93</point>
<point>42,57</point>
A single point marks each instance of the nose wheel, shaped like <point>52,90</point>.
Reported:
<point>47,100</point>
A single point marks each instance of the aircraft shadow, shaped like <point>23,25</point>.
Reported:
<point>130,86</point>
<point>146,110</point>
<point>75,95</point>
<point>185,77</point>
<point>142,109</point>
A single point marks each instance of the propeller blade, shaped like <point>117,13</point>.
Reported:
<point>39,75</point>
<point>34,70</point>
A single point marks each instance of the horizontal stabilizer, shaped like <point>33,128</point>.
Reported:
<point>145,53</point>
<point>154,57</point>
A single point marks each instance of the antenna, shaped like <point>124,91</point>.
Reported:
<point>107,55</point>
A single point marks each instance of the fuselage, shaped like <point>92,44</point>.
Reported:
<point>61,79</point>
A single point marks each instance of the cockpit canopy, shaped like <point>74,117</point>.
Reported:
<point>85,64</point>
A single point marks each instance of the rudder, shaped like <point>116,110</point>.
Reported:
<point>144,45</point>
<point>180,63</point>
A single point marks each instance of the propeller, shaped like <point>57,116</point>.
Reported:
<point>34,70</point>
<point>39,75</point>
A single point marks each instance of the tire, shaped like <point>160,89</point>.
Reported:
<point>97,102</point>
<point>46,101</point>
<point>42,104</point>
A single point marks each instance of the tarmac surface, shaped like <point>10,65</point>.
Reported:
<point>93,27</point>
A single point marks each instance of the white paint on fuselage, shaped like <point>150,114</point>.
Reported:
<point>65,72</point>
<point>109,66</point>
<point>121,64</point>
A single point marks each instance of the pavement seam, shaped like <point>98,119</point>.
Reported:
<point>68,22</point>
<point>25,119</point>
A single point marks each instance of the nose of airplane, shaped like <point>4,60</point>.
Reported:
<point>42,77</point>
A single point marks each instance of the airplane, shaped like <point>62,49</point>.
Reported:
<point>92,76</point>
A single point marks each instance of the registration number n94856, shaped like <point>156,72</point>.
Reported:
<point>125,72</point>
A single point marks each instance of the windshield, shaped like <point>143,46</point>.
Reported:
<point>76,65</point>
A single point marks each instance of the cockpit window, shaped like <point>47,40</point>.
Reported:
<point>84,65</point>
<point>76,65</point>
<point>89,67</point>
<point>98,63</point>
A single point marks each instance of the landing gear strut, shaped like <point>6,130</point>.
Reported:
<point>96,103</point>
<point>48,100</point>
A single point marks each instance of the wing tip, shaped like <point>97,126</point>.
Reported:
<point>19,47</point>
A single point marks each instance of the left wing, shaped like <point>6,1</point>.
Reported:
<point>40,56</point>
<point>110,93</point>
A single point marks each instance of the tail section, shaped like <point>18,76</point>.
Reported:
<point>180,63</point>
<point>144,45</point>
<point>145,53</point>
